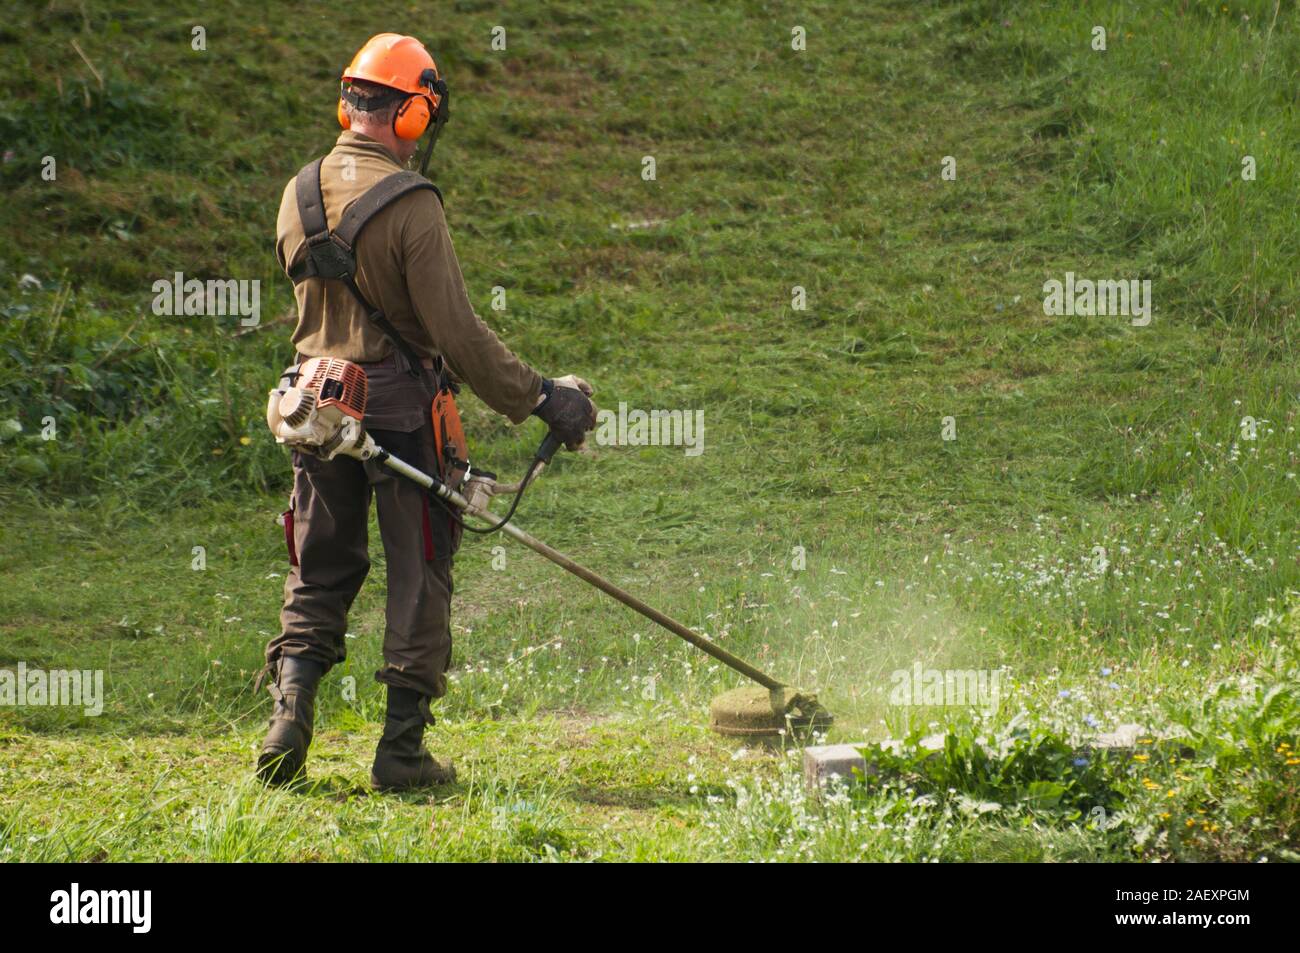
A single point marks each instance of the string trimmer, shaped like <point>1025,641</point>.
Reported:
<point>318,408</point>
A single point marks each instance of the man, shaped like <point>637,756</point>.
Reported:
<point>406,318</point>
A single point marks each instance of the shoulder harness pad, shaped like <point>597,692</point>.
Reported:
<point>333,254</point>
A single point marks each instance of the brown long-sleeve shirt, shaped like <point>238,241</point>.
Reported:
<point>407,267</point>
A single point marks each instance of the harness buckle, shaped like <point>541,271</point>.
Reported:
<point>332,258</point>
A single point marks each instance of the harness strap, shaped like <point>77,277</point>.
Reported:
<point>333,255</point>
<point>382,194</point>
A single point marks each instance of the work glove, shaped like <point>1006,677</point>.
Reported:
<point>567,411</point>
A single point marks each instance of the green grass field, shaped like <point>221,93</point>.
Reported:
<point>1113,528</point>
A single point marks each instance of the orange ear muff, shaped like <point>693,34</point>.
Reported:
<point>344,121</point>
<point>412,117</point>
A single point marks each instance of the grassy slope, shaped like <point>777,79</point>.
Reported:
<point>774,169</point>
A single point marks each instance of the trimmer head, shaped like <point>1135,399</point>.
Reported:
<point>762,714</point>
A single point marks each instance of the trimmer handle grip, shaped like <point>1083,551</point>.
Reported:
<point>547,450</point>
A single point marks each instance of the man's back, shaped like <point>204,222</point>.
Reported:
<point>406,267</point>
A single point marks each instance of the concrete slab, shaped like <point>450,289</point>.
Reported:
<point>1130,739</point>
<point>823,764</point>
<point>826,763</point>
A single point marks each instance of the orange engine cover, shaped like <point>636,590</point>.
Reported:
<point>338,383</point>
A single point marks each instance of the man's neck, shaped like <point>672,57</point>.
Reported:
<point>383,135</point>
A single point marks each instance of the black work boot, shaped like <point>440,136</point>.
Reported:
<point>284,752</point>
<point>401,760</point>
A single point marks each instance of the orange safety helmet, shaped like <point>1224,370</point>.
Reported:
<point>405,66</point>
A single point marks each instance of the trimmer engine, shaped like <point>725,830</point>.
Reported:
<point>318,407</point>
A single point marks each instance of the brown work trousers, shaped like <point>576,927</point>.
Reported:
<point>327,528</point>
